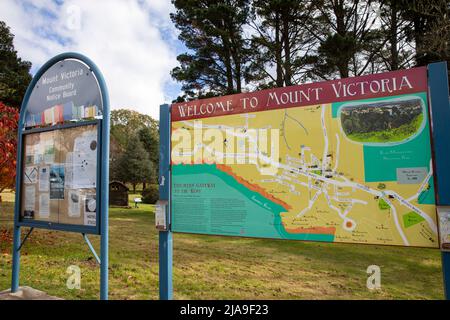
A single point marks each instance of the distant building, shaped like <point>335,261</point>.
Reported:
<point>118,194</point>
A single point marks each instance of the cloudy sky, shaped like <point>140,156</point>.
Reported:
<point>133,42</point>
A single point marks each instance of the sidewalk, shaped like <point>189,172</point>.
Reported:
<point>26,293</point>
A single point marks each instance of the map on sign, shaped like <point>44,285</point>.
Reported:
<point>353,171</point>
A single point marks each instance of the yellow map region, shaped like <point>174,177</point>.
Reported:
<point>318,173</point>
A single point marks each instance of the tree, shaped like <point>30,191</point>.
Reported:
<point>126,123</point>
<point>134,165</point>
<point>399,52</point>
<point>149,137</point>
<point>212,31</point>
<point>125,126</point>
<point>430,29</point>
<point>280,42</point>
<point>14,72</point>
<point>9,118</point>
<point>347,38</point>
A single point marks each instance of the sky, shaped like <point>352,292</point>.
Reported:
<point>133,42</point>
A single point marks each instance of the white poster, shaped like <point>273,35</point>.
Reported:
<point>85,160</point>
<point>29,154</point>
<point>90,210</point>
<point>38,153</point>
<point>49,153</point>
<point>30,198</point>
<point>74,204</point>
<point>30,175</point>
<point>44,178</point>
<point>44,205</point>
<point>69,170</point>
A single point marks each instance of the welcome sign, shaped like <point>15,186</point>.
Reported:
<point>339,161</point>
<point>371,86</point>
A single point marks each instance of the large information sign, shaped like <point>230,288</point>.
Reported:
<point>340,161</point>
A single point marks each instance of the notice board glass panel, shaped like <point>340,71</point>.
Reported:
<point>59,180</point>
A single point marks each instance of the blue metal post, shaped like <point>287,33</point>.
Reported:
<point>440,116</point>
<point>104,189</point>
<point>165,237</point>
<point>16,260</point>
<point>16,234</point>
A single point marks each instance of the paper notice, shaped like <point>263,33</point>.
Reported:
<point>30,175</point>
<point>444,227</point>
<point>30,197</point>
<point>29,154</point>
<point>85,161</point>
<point>49,153</point>
<point>57,182</point>
<point>74,204</point>
<point>39,153</point>
<point>44,178</point>
<point>69,170</point>
<point>90,210</point>
<point>44,205</point>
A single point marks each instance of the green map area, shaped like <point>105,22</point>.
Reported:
<point>236,210</point>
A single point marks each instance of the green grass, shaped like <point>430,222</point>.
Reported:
<point>391,135</point>
<point>208,267</point>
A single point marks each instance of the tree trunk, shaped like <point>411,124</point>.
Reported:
<point>228,66</point>
<point>235,53</point>
<point>278,48</point>
<point>393,39</point>
<point>339,11</point>
<point>419,41</point>
<point>287,48</point>
<point>237,74</point>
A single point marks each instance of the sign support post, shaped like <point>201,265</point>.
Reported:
<point>16,260</point>
<point>165,237</point>
<point>440,108</point>
<point>104,189</point>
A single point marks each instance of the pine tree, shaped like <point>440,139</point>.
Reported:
<point>14,72</point>
<point>150,140</point>
<point>348,39</point>
<point>280,42</point>
<point>212,31</point>
<point>134,165</point>
<point>398,52</point>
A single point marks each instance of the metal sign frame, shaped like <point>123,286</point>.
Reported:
<point>103,128</point>
<point>439,106</point>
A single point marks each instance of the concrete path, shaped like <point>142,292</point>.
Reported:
<point>26,293</point>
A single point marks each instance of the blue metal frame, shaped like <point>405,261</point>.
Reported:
<point>102,176</point>
<point>440,117</point>
<point>91,247</point>
<point>165,237</point>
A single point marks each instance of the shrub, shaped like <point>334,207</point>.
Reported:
<point>151,194</point>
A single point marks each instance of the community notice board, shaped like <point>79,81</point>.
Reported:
<point>59,176</point>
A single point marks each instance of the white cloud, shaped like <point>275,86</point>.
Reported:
<point>133,42</point>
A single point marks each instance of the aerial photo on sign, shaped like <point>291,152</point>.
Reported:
<point>352,168</point>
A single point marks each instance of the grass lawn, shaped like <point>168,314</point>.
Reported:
<point>207,267</point>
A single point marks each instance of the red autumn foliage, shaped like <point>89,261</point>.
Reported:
<point>9,118</point>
